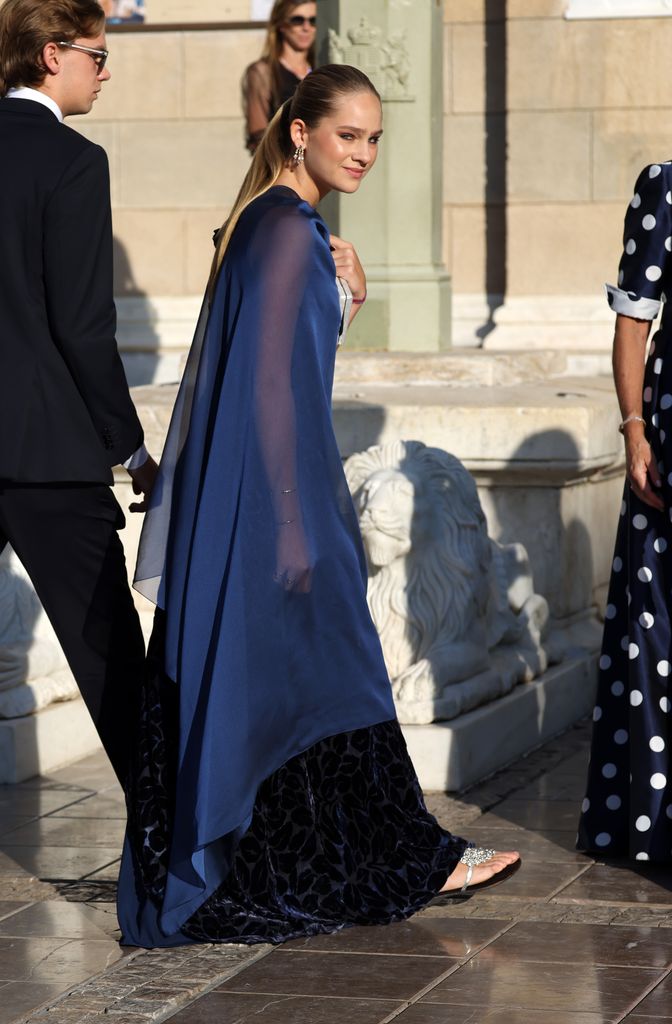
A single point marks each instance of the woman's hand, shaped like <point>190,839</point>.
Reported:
<point>348,266</point>
<point>293,570</point>
<point>641,468</point>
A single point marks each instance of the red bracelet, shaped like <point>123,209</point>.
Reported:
<point>358,302</point>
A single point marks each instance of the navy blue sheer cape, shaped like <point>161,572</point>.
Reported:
<point>252,547</point>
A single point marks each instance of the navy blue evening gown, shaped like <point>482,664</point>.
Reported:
<point>272,794</point>
<point>627,811</point>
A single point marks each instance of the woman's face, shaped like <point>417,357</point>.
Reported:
<point>343,147</point>
<point>297,30</point>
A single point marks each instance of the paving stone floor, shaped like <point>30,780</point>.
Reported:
<point>567,940</point>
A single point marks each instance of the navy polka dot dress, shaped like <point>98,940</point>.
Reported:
<point>627,811</point>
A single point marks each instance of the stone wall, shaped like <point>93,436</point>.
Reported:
<point>170,120</point>
<point>547,123</point>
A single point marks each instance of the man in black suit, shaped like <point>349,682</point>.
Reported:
<point>66,416</point>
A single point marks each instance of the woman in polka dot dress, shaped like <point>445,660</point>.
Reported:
<point>627,811</point>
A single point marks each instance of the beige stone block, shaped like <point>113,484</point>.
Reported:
<point>473,90</point>
<point>146,78</point>
<point>477,10</point>
<point>457,11</point>
<point>536,8</point>
<point>199,248</point>
<point>105,135</point>
<point>562,248</point>
<point>554,64</point>
<point>463,158</point>
<point>468,249</point>
<point>624,142</point>
<point>549,156</point>
<point>149,252</point>
<point>635,62</point>
<point>167,11</point>
<point>185,165</point>
<point>213,67</point>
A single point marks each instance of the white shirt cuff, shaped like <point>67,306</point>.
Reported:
<point>137,459</point>
<point>628,304</point>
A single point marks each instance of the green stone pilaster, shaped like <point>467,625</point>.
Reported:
<point>395,220</point>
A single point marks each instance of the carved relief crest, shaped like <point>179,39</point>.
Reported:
<point>385,61</point>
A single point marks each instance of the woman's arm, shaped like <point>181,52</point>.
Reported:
<point>256,102</point>
<point>629,352</point>
<point>282,258</point>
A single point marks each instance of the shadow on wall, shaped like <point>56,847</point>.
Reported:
<point>138,339</point>
<point>357,425</point>
<point>539,503</point>
<point>496,155</point>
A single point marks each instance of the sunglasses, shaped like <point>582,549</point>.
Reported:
<point>297,21</point>
<point>99,56</point>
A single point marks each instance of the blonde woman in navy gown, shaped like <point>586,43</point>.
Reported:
<point>627,811</point>
<point>272,794</point>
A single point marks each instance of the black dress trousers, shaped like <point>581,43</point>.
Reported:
<point>66,538</point>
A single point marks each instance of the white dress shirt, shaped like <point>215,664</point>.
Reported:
<point>139,457</point>
<point>25,93</point>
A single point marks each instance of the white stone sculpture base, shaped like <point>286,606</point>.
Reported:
<point>449,756</point>
<point>40,743</point>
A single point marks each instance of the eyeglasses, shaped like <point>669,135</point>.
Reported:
<point>297,21</point>
<point>99,56</point>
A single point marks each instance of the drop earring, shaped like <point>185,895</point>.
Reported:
<point>298,155</point>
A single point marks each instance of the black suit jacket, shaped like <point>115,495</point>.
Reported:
<point>65,410</point>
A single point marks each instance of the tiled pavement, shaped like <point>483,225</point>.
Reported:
<point>566,941</point>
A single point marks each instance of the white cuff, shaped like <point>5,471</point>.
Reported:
<point>628,304</point>
<point>137,459</point>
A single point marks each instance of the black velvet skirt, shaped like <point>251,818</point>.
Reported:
<point>339,835</point>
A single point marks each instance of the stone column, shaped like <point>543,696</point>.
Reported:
<point>395,220</point>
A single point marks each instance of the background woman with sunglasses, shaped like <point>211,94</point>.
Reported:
<point>289,55</point>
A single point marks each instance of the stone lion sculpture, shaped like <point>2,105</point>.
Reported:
<point>457,615</point>
<point>33,669</point>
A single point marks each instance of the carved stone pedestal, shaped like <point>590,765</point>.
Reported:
<point>449,756</point>
<point>49,739</point>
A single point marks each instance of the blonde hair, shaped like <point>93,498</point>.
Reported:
<point>313,100</point>
<point>282,10</point>
<point>26,26</point>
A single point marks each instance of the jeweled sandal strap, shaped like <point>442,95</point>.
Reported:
<point>467,881</point>
<point>474,855</point>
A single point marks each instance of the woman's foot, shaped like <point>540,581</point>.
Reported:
<point>480,873</point>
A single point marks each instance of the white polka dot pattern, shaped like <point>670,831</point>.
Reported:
<point>628,792</point>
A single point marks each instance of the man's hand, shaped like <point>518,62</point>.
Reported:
<point>143,480</point>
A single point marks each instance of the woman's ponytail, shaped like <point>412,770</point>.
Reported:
<point>271,155</point>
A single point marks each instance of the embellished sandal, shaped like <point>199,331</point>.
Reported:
<point>473,856</point>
